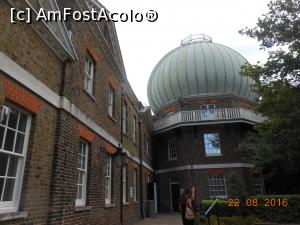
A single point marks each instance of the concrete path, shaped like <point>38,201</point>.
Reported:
<point>162,219</point>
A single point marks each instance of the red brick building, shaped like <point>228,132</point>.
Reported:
<point>67,109</point>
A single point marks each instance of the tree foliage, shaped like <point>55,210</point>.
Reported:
<point>275,144</point>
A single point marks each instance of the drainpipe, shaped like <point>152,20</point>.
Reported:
<point>56,153</point>
<point>141,169</point>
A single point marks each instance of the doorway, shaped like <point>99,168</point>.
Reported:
<point>175,194</point>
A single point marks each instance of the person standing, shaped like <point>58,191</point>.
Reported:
<point>187,201</point>
<point>182,205</point>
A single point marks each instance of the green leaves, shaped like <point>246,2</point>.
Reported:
<point>275,144</point>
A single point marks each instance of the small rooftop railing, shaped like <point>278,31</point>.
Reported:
<point>207,116</point>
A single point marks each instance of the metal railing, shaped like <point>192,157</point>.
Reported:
<point>207,213</point>
<point>209,115</point>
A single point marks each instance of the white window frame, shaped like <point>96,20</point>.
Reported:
<point>135,185</point>
<point>84,171</point>
<point>124,184</point>
<point>108,180</point>
<point>257,183</point>
<point>89,71</point>
<point>172,149</point>
<point>111,102</point>
<point>214,184</point>
<point>13,206</point>
<point>125,117</point>
<point>207,144</point>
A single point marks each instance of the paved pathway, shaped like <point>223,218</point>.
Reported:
<point>162,219</point>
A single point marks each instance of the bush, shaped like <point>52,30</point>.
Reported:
<point>277,214</point>
<point>235,220</point>
<point>239,220</point>
<point>272,214</point>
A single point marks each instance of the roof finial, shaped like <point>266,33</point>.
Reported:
<point>196,38</point>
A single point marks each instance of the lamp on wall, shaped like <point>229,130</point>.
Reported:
<point>120,157</point>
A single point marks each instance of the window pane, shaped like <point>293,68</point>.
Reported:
<point>1,136</point>
<point>86,69</point>
<point>9,141</point>
<point>83,163</point>
<point>217,186</point>
<point>79,192</point>
<point>9,190</point>
<point>106,193</point>
<point>4,115</point>
<point>22,122</point>
<point>19,143</point>
<point>79,161</point>
<point>3,164</point>
<point>80,177</point>
<point>13,166</point>
<point>83,149</point>
<point>1,186</point>
<point>212,143</point>
<point>13,119</point>
<point>91,69</point>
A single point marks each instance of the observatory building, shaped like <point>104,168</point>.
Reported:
<point>203,107</point>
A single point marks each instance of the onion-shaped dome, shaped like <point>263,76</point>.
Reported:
<point>198,68</point>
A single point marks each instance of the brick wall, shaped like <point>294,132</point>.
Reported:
<point>190,150</point>
<point>190,145</point>
<point>198,178</point>
<point>27,49</point>
<point>37,173</point>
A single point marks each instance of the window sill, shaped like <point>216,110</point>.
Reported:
<point>213,155</point>
<point>107,206</point>
<point>125,203</point>
<point>112,118</point>
<point>82,208</point>
<point>90,95</point>
<point>13,216</point>
<point>173,159</point>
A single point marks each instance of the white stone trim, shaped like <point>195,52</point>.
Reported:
<point>206,166</point>
<point>137,160</point>
<point>13,216</point>
<point>18,73</point>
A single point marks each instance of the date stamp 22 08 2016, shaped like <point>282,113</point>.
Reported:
<point>254,202</point>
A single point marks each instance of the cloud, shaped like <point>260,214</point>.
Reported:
<point>144,44</point>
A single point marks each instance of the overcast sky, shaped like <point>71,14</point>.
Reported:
<point>144,44</point>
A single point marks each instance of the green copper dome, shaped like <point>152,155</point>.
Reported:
<point>198,68</point>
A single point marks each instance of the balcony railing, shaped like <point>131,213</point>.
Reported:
<point>207,116</point>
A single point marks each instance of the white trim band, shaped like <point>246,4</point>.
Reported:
<point>18,73</point>
<point>205,166</point>
<point>137,160</point>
